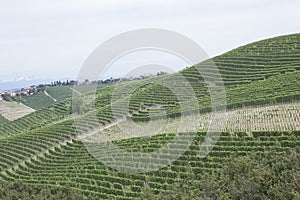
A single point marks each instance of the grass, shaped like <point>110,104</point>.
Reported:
<point>38,101</point>
<point>59,92</point>
<point>3,120</point>
<point>14,105</point>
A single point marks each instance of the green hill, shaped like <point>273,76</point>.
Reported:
<point>48,95</point>
<point>43,148</point>
<point>3,120</point>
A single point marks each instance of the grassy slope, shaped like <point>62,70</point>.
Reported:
<point>3,120</point>
<point>59,92</point>
<point>38,101</point>
<point>63,92</point>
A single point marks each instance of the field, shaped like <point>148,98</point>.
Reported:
<point>59,92</point>
<point>37,101</point>
<point>63,92</point>
<point>13,110</point>
<point>279,117</point>
<point>49,146</point>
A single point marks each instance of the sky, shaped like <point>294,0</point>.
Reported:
<point>50,40</point>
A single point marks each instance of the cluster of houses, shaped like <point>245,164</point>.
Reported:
<point>28,91</point>
<point>20,92</point>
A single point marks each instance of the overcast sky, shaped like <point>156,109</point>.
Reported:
<point>51,39</point>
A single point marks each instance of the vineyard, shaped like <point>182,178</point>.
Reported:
<point>71,164</point>
<point>280,117</point>
<point>37,119</point>
<point>262,81</point>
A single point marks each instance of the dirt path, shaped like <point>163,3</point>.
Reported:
<point>76,91</point>
<point>46,93</point>
<point>91,133</point>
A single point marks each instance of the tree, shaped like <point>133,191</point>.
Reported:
<point>255,176</point>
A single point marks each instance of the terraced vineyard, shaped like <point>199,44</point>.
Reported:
<point>260,60</point>
<point>37,119</point>
<point>71,164</point>
<point>262,82</point>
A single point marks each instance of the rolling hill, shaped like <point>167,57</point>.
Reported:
<point>44,148</point>
<point>3,120</point>
<point>52,94</point>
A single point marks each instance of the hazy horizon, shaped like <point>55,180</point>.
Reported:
<point>47,41</point>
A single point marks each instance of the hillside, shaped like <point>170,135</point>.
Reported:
<point>52,94</point>
<point>3,120</point>
<point>45,148</point>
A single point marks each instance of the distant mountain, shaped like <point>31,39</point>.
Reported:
<point>23,82</point>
